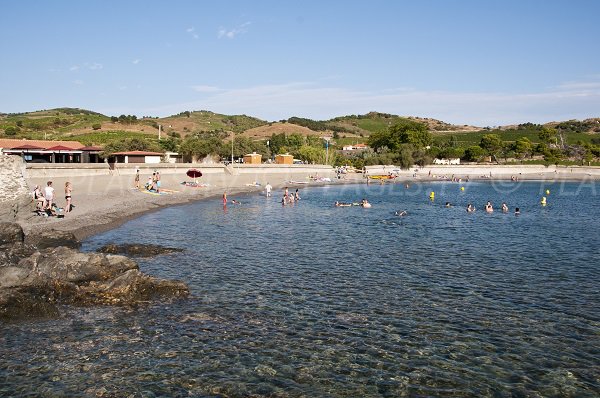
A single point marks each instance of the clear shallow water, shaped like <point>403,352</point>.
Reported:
<point>312,300</point>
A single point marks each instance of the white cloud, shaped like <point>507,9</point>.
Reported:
<point>136,61</point>
<point>232,33</point>
<point>192,32</point>
<point>279,101</point>
<point>78,82</point>
<point>94,66</point>
<point>206,89</point>
<point>74,68</point>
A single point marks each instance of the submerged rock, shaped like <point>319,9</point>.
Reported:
<point>34,281</point>
<point>138,249</point>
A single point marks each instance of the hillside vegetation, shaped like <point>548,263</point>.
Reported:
<point>392,138</point>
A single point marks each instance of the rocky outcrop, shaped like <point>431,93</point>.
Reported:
<point>35,280</point>
<point>138,250</point>
<point>52,238</point>
<point>14,197</point>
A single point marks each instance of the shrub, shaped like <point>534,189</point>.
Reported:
<point>96,126</point>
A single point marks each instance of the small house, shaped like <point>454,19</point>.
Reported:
<point>284,159</point>
<point>253,158</point>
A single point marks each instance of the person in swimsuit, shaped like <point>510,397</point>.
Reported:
<point>49,194</point>
<point>488,207</point>
<point>68,190</point>
<point>224,198</point>
<point>38,196</point>
<point>504,207</point>
<point>470,208</point>
<point>136,181</point>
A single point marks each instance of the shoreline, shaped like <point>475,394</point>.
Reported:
<point>105,202</point>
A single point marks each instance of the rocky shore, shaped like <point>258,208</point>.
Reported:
<point>42,271</point>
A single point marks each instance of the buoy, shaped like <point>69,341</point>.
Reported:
<point>462,188</point>
<point>432,195</point>
<point>547,192</point>
<point>543,201</point>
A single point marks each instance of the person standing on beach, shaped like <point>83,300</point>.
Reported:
<point>268,188</point>
<point>68,190</point>
<point>49,194</point>
<point>136,181</point>
<point>157,182</point>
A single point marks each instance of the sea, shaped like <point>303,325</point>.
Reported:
<point>313,300</point>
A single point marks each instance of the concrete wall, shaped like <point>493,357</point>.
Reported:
<point>46,170</point>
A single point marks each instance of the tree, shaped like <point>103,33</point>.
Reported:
<point>547,135</point>
<point>492,143</point>
<point>474,153</point>
<point>523,147</point>
<point>403,132</point>
<point>96,126</point>
<point>11,130</point>
<point>310,154</point>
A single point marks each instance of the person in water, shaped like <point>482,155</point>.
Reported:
<point>470,208</point>
<point>448,204</point>
<point>504,207</point>
<point>401,213</point>
<point>488,207</point>
<point>365,203</point>
<point>517,211</point>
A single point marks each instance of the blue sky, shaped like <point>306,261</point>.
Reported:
<point>475,62</point>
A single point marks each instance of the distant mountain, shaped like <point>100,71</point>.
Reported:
<point>94,128</point>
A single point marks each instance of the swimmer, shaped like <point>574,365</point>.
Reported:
<point>235,202</point>
<point>504,207</point>
<point>517,211</point>
<point>448,204</point>
<point>401,213</point>
<point>470,208</point>
<point>365,203</point>
<point>342,204</point>
<point>488,207</point>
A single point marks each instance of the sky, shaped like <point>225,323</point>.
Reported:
<point>477,62</point>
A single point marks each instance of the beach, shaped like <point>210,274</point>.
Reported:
<point>106,198</point>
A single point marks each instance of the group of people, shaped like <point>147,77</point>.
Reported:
<point>289,198</point>
<point>153,183</point>
<point>489,208</point>
<point>45,200</point>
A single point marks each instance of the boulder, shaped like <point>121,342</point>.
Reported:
<point>11,254</point>
<point>52,238</point>
<point>69,265</point>
<point>138,249</point>
<point>61,275</point>
<point>11,232</point>
<point>26,303</point>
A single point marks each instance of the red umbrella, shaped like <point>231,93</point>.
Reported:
<point>194,173</point>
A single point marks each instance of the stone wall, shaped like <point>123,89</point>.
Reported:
<point>14,192</point>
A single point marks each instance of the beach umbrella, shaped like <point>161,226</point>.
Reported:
<point>194,173</point>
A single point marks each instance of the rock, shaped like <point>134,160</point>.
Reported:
<point>11,254</point>
<point>138,249</point>
<point>132,287</point>
<point>52,238</point>
<point>11,232</point>
<point>26,303</point>
<point>69,265</point>
<point>61,275</point>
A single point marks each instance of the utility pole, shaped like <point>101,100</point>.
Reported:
<point>159,128</point>
<point>232,136</point>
